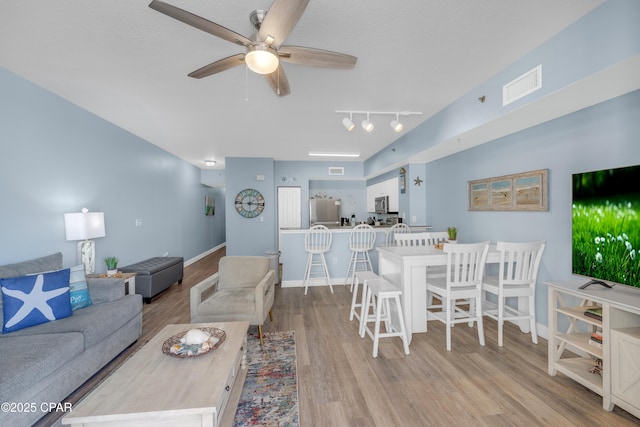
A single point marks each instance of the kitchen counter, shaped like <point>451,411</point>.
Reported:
<point>294,257</point>
<point>339,228</point>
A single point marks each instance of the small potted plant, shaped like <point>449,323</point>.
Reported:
<point>112,265</point>
<point>453,234</point>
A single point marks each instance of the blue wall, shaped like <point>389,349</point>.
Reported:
<point>351,193</point>
<point>57,158</point>
<point>310,174</point>
<point>606,135</point>
<point>608,35</point>
<point>250,236</point>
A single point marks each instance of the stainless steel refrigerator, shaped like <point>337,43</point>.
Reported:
<point>324,211</point>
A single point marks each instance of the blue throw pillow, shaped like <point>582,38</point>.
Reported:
<point>31,300</point>
<point>80,297</point>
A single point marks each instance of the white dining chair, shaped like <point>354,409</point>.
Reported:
<point>411,239</point>
<point>317,241</point>
<point>434,238</point>
<point>396,229</point>
<point>465,269</point>
<point>517,276</point>
<point>361,240</point>
<point>437,237</point>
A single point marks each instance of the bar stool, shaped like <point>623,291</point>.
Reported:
<point>317,241</point>
<point>361,277</point>
<point>379,295</point>
<point>361,241</point>
<point>400,228</point>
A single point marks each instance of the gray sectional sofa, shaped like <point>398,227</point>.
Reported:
<point>45,363</point>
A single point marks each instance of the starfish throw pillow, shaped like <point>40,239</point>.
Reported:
<point>31,300</point>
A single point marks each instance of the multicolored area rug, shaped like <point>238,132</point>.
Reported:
<point>270,393</point>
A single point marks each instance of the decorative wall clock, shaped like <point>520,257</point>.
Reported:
<point>249,203</point>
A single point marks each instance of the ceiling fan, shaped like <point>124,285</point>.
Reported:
<point>264,53</point>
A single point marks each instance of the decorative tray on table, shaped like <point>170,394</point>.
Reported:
<point>176,347</point>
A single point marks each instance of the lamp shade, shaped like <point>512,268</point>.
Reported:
<point>82,226</point>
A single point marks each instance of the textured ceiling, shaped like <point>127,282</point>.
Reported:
<point>128,64</point>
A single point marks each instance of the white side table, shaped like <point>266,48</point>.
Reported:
<point>129,280</point>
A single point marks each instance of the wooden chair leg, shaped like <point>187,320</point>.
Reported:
<point>261,337</point>
<point>270,315</point>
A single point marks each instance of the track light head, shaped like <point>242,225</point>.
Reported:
<point>396,125</point>
<point>348,124</point>
<point>367,125</point>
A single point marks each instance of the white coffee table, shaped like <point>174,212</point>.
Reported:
<point>154,389</point>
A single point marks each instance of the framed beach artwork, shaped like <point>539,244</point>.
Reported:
<point>525,191</point>
<point>209,205</point>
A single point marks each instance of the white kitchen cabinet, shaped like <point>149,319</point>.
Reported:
<point>385,188</point>
<point>371,198</point>
<point>391,190</point>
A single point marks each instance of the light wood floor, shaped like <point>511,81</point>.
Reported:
<point>340,384</point>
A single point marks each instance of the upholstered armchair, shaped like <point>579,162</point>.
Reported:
<point>242,289</point>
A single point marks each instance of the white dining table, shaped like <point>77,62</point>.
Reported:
<point>406,267</point>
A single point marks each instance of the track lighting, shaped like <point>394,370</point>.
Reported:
<point>367,124</point>
<point>348,124</point>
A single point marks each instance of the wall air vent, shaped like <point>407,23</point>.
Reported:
<point>522,86</point>
<point>336,171</point>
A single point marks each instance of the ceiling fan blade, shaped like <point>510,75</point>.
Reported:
<point>282,16</point>
<point>218,66</point>
<point>279,82</point>
<point>199,23</point>
<point>316,57</point>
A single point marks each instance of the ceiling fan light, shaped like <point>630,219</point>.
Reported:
<point>367,125</point>
<point>348,124</point>
<point>396,125</point>
<point>261,59</point>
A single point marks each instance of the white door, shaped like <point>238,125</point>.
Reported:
<point>289,208</point>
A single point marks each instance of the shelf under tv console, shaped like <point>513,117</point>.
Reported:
<point>572,354</point>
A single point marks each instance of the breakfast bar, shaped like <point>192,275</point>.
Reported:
<point>294,257</point>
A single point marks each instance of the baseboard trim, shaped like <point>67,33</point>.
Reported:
<point>318,282</point>
<point>204,254</point>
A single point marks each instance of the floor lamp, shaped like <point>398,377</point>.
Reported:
<point>84,226</point>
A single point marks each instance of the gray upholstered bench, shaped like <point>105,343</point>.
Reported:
<point>154,275</point>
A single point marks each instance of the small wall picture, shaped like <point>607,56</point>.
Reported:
<point>209,205</point>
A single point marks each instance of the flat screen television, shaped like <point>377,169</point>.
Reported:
<point>606,226</point>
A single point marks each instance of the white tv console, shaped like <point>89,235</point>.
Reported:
<point>571,353</point>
